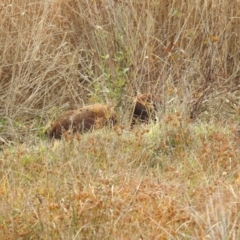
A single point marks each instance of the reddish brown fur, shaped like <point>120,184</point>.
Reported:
<point>144,108</point>
<point>83,120</point>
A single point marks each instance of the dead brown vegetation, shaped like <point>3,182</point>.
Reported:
<point>178,179</point>
<point>53,52</point>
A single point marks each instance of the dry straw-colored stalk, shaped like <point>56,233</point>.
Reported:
<point>69,53</point>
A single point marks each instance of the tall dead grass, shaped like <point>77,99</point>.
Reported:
<point>66,53</point>
<point>170,180</point>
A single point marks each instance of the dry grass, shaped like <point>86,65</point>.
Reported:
<point>155,182</point>
<point>177,179</point>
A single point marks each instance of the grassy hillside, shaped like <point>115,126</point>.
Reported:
<point>176,179</point>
